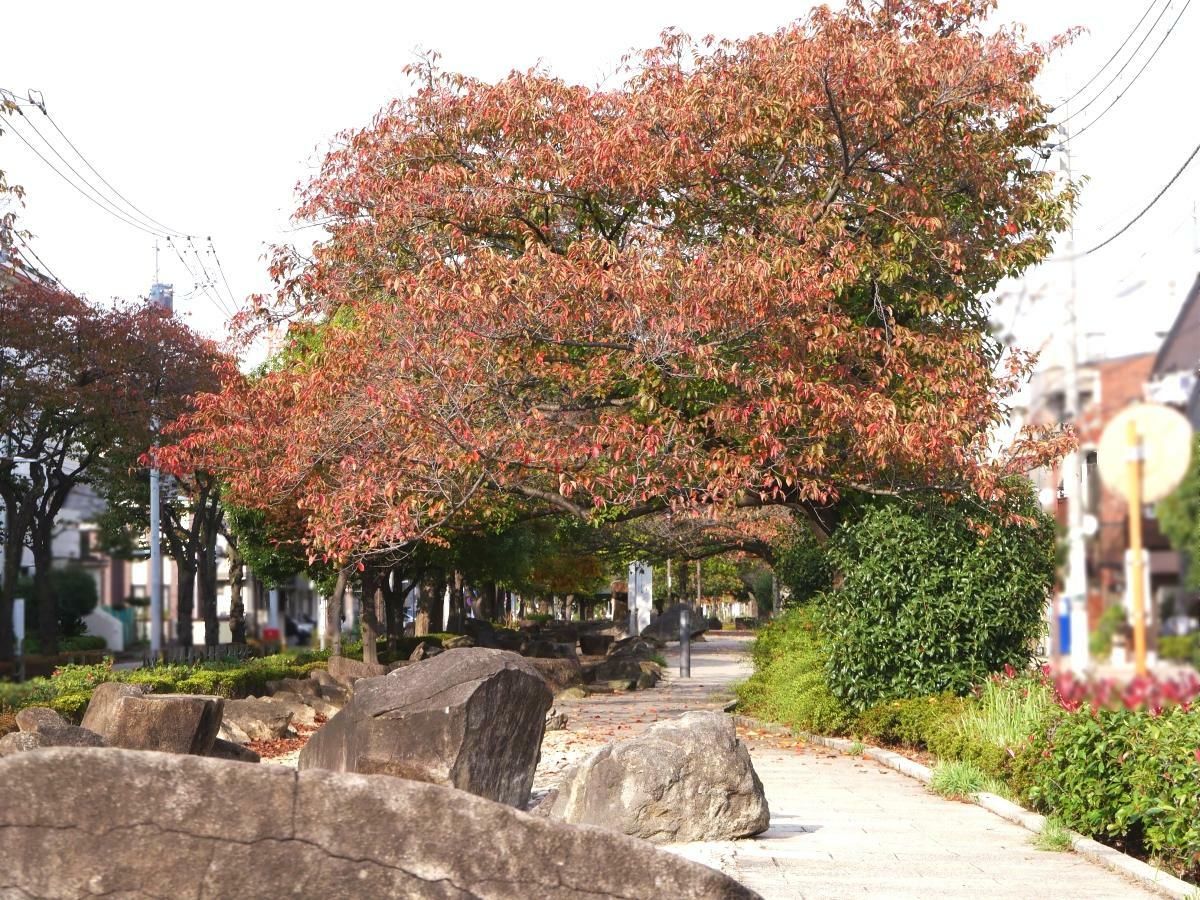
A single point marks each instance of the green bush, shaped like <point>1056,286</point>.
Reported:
<point>1183,647</point>
<point>70,688</point>
<point>802,566</point>
<point>918,722</point>
<point>789,682</point>
<point>75,644</point>
<point>935,599</point>
<point>75,596</point>
<point>1124,775</point>
<point>1111,621</point>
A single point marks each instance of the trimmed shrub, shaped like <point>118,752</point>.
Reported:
<point>935,599</point>
<point>918,722</point>
<point>1182,647</point>
<point>802,566</point>
<point>1127,776</point>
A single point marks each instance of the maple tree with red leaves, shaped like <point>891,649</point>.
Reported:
<point>751,274</point>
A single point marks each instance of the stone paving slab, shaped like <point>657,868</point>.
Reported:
<point>840,826</point>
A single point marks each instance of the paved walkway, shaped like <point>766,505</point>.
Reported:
<point>840,826</point>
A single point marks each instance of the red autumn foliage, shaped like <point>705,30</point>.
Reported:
<point>749,274</point>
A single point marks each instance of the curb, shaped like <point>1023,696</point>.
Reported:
<point>1160,882</point>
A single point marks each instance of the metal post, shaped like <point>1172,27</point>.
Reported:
<point>1136,563</point>
<point>322,619</point>
<point>685,641</point>
<point>156,572</point>
<point>1076,575</point>
<point>273,609</point>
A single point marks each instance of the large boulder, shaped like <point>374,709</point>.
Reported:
<point>685,779</point>
<point>81,823</point>
<point>472,719</point>
<point>258,718</point>
<point>666,626</point>
<point>233,751</point>
<point>173,723</point>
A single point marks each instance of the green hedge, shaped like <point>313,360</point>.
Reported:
<point>70,688</point>
<point>1131,777</point>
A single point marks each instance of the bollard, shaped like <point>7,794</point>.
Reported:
<point>685,642</point>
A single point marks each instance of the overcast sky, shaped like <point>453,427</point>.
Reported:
<point>207,115</point>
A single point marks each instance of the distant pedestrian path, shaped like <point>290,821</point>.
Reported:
<point>840,826</point>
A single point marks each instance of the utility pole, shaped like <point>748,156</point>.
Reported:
<point>156,571</point>
<point>1075,582</point>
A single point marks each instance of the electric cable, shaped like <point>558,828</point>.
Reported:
<point>1135,78</point>
<point>1174,178</point>
<point>1109,61</point>
<point>1121,70</point>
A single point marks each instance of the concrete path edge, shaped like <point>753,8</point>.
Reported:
<point>1145,874</point>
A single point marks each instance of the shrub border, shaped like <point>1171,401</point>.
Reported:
<point>1145,874</point>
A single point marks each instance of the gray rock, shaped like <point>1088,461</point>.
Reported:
<point>424,650</point>
<point>541,648</point>
<point>685,779</point>
<point>231,733</point>
<point>482,632</point>
<point>61,736</point>
<point>347,671</point>
<point>556,720</point>
<point>172,723</point>
<point>637,673</point>
<point>458,642</point>
<point>666,626</point>
<point>104,705</point>
<point>559,674</point>
<point>322,678</point>
<point>75,823</point>
<point>592,644</point>
<point>38,718</point>
<point>472,719</point>
<point>304,687</point>
<point>223,749</point>
<point>303,709</point>
<point>259,718</point>
<point>22,742</point>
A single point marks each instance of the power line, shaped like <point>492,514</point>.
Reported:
<point>111,210</point>
<point>106,182</point>
<point>1135,78</point>
<point>1124,66</point>
<point>1150,205</point>
<point>220,268</point>
<point>1116,53</point>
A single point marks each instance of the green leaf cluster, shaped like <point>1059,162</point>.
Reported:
<point>935,598</point>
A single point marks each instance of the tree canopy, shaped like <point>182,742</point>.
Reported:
<point>750,273</point>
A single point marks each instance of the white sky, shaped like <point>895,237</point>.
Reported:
<point>207,115</point>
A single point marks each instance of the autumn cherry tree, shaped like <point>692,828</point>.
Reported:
<point>751,273</point>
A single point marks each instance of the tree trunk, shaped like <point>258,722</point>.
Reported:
<point>333,614</point>
<point>13,547</point>
<point>186,606</point>
<point>458,607</point>
<point>487,599</point>
<point>208,575</point>
<point>43,589</point>
<point>237,608</point>
<point>424,604</point>
<point>393,623</point>
<point>370,621</point>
